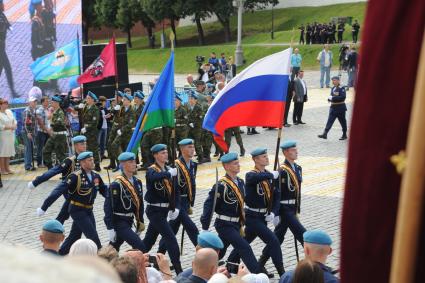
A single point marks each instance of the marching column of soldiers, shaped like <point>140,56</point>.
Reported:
<point>242,207</point>
<point>321,33</point>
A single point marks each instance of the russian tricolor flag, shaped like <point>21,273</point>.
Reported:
<point>255,97</point>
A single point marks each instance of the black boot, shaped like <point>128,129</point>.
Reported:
<point>249,131</point>
<point>280,270</point>
<point>324,135</point>
<point>264,270</point>
<point>344,136</point>
<point>178,268</point>
<point>242,151</point>
<point>254,131</point>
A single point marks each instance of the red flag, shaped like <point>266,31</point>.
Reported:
<point>104,66</point>
<point>390,48</point>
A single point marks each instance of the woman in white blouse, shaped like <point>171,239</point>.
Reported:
<point>7,136</point>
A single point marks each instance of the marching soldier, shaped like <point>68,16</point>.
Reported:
<point>124,133</point>
<point>236,131</point>
<point>262,203</point>
<point>139,103</point>
<point>82,187</point>
<point>186,185</point>
<point>116,122</point>
<point>207,136</point>
<point>69,165</point>
<point>181,119</point>
<point>124,204</point>
<point>290,177</point>
<point>196,116</point>
<point>57,142</point>
<point>90,119</point>
<point>228,196</point>
<point>337,109</point>
<point>162,202</point>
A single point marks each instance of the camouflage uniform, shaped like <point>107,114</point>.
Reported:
<point>196,116</point>
<point>121,141</point>
<point>116,124</point>
<point>57,142</point>
<point>181,117</point>
<point>90,117</point>
<point>150,138</point>
<point>236,131</point>
<point>137,112</point>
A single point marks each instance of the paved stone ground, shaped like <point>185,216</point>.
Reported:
<point>323,163</point>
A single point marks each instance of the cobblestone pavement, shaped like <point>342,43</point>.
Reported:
<point>323,163</point>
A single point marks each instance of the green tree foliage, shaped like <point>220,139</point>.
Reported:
<point>127,16</point>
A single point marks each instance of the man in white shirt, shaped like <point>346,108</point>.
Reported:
<point>325,59</point>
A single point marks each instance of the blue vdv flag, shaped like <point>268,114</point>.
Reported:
<point>62,63</point>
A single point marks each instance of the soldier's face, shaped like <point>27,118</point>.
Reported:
<point>262,160</point>
<point>80,147</point>
<point>291,153</point>
<point>177,103</point>
<point>162,156</point>
<point>129,166</point>
<point>89,100</point>
<point>126,102</point>
<point>192,101</point>
<point>137,101</point>
<point>87,164</point>
<point>188,151</point>
<point>335,82</point>
<point>233,167</point>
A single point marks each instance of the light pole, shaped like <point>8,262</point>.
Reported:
<point>272,34</point>
<point>239,51</point>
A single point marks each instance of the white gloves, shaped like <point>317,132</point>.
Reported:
<point>270,217</point>
<point>31,186</point>
<point>83,130</point>
<point>112,235</point>
<point>275,174</point>
<point>119,132</point>
<point>172,215</point>
<point>81,105</point>
<point>191,125</point>
<point>172,171</point>
<point>117,107</point>
<point>330,98</point>
<point>276,220</point>
<point>40,212</point>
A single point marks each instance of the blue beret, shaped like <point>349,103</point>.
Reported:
<point>288,144</point>
<point>210,240</point>
<point>158,147</point>
<point>92,95</point>
<point>84,155</point>
<point>128,96</point>
<point>229,157</point>
<point>186,142</point>
<point>78,139</point>
<point>57,98</point>
<point>317,237</point>
<point>335,78</point>
<point>53,226</point>
<point>120,93</point>
<point>139,94</point>
<point>126,156</point>
<point>258,151</point>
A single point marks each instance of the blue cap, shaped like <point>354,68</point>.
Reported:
<point>186,142</point>
<point>210,240</point>
<point>139,94</point>
<point>92,95</point>
<point>57,98</point>
<point>158,147</point>
<point>258,151</point>
<point>78,139</point>
<point>229,157</point>
<point>317,237</point>
<point>126,156</point>
<point>128,96</point>
<point>335,78</point>
<point>53,226</point>
<point>288,144</point>
<point>120,93</point>
<point>84,155</point>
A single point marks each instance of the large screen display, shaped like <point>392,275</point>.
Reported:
<point>30,29</point>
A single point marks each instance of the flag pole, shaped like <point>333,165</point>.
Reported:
<point>79,67</point>
<point>410,206</point>
<point>173,130</point>
<point>116,63</point>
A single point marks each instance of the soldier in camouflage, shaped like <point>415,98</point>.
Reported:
<point>196,116</point>
<point>207,136</point>
<point>116,122</point>
<point>138,106</point>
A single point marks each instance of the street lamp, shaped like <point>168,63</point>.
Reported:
<point>239,52</point>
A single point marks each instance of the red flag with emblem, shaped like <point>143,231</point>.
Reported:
<point>104,66</point>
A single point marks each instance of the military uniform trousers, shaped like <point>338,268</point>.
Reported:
<point>228,136</point>
<point>158,225</point>
<point>150,139</point>
<point>229,233</point>
<point>337,113</point>
<point>207,141</point>
<point>111,136</point>
<point>195,133</point>
<point>56,144</point>
<point>53,196</point>
<point>256,226</point>
<point>93,145</point>
<point>119,145</point>
<point>182,132</point>
<point>122,226</point>
<point>64,212</point>
<point>84,223</point>
<point>185,220</point>
<point>288,219</point>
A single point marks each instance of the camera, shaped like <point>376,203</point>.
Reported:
<point>153,261</point>
<point>200,59</point>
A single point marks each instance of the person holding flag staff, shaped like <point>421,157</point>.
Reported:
<point>117,113</point>
<point>162,203</point>
<point>90,116</point>
<point>186,185</point>
<point>226,198</point>
<point>57,142</point>
<point>290,178</point>
<point>69,165</point>
<point>124,204</point>
<point>262,203</point>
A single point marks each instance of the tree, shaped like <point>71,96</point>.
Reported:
<point>89,18</point>
<point>199,10</point>
<point>127,16</point>
<point>106,12</point>
<point>149,24</point>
